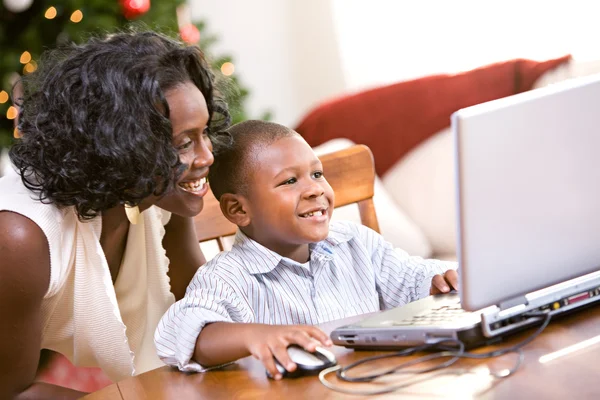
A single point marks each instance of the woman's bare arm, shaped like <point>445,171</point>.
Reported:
<point>24,280</point>
<point>183,251</point>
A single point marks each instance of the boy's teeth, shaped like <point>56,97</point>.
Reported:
<point>310,214</point>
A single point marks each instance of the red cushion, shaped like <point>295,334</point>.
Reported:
<point>393,119</point>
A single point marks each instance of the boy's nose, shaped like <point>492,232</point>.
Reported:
<point>314,190</point>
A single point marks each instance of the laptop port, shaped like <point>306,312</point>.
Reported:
<point>347,338</point>
<point>439,335</point>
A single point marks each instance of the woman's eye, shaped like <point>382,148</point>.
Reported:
<point>185,146</point>
<point>318,174</point>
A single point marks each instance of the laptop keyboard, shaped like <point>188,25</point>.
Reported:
<point>435,316</point>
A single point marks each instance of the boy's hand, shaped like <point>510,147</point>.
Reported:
<point>444,283</point>
<point>267,341</point>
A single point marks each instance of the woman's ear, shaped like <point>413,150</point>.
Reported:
<point>233,207</point>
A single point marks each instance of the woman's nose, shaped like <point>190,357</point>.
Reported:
<point>203,154</point>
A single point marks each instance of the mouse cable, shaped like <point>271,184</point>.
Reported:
<point>453,352</point>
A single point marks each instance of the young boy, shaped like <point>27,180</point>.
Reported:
<point>289,268</point>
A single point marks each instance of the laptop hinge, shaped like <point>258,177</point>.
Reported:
<point>510,315</point>
<point>517,301</point>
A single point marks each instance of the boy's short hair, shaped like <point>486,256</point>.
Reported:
<point>234,158</point>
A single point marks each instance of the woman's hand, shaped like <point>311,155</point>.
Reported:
<point>183,252</point>
<point>267,341</point>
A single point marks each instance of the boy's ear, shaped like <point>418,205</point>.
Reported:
<point>233,207</point>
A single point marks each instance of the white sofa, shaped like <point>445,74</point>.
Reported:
<point>421,186</point>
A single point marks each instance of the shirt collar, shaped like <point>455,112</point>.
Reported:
<point>256,257</point>
<point>260,260</point>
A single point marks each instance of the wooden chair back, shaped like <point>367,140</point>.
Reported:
<point>350,172</point>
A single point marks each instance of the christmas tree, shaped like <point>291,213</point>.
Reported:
<point>28,27</point>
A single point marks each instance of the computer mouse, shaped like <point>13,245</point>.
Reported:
<point>307,363</point>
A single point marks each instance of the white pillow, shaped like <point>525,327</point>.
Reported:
<point>422,184</point>
<point>571,69</point>
<point>555,75</point>
<point>394,224</point>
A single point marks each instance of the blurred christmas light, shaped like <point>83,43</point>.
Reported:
<point>227,69</point>
<point>30,67</point>
<point>25,57</point>
<point>50,13</point>
<point>134,8</point>
<point>17,6</point>
<point>77,16</point>
<point>189,33</point>
<point>11,113</point>
<point>3,97</point>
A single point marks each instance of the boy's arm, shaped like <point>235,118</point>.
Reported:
<point>401,278</point>
<point>222,342</point>
<point>213,325</point>
<point>208,299</point>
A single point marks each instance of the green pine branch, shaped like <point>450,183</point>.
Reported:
<point>31,31</point>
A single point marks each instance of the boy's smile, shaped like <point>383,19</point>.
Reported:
<point>289,200</point>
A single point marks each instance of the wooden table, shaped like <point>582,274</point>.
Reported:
<point>562,363</point>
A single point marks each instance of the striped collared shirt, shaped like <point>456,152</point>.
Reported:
<point>354,271</point>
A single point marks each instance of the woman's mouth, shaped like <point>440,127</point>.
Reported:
<point>197,187</point>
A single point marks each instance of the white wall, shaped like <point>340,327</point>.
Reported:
<point>293,54</point>
<point>284,51</point>
<point>383,41</point>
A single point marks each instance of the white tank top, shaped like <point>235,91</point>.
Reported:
<point>85,317</point>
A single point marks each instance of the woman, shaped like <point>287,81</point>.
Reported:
<point>96,229</point>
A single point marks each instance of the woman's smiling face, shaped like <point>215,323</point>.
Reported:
<point>189,118</point>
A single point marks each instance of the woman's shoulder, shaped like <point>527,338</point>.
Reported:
<point>41,226</point>
<point>25,255</point>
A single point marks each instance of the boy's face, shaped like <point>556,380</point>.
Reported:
<point>289,200</point>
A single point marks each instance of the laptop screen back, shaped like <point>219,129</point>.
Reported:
<point>528,189</point>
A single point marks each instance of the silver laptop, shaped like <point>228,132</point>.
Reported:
<point>528,190</point>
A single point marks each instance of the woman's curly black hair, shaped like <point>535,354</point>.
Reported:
<point>94,121</point>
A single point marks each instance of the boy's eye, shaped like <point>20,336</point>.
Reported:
<point>290,181</point>
<point>318,174</point>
